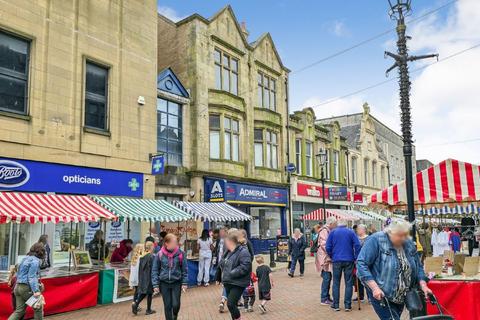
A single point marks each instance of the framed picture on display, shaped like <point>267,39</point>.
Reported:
<point>81,259</point>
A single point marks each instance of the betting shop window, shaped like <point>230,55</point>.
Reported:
<point>96,96</point>
<point>169,131</point>
<point>14,61</point>
<point>266,222</point>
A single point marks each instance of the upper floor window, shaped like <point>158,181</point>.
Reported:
<point>266,148</point>
<point>354,169</point>
<point>231,138</point>
<point>309,159</point>
<point>226,72</point>
<point>298,155</point>
<point>267,92</point>
<point>327,164</point>
<point>382,177</point>
<point>96,94</point>
<point>169,131</point>
<point>374,173</point>
<point>14,60</point>
<point>336,167</point>
<point>365,172</point>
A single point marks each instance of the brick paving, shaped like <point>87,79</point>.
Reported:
<point>296,298</point>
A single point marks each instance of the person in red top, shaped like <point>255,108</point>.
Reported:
<point>121,253</point>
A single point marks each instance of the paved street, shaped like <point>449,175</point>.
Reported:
<point>296,298</point>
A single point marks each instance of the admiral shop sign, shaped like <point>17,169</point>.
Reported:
<point>13,174</point>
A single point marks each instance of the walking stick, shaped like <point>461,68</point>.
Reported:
<point>358,293</point>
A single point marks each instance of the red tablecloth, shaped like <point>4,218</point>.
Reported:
<point>61,294</point>
<point>461,299</point>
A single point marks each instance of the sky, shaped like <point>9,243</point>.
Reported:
<point>445,96</point>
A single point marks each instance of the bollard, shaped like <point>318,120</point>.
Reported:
<point>272,257</point>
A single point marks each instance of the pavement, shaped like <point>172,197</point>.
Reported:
<point>292,298</point>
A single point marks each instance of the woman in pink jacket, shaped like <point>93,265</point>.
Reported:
<point>323,261</point>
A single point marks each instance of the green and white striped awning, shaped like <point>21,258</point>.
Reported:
<point>142,209</point>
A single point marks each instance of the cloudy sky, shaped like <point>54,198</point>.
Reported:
<point>445,95</point>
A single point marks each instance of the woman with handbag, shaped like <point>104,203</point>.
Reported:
<point>28,283</point>
<point>391,270</point>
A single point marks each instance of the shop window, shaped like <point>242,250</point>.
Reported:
<point>226,72</point>
<point>96,94</point>
<point>298,155</point>
<point>266,222</point>
<point>267,92</point>
<point>5,236</point>
<point>309,159</point>
<point>214,136</point>
<point>14,61</point>
<point>169,131</point>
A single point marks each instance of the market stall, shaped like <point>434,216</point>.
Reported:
<point>24,217</point>
<point>450,189</point>
<point>113,284</point>
<point>209,214</point>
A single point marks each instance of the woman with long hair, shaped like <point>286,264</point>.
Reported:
<point>169,275</point>
<point>145,287</point>
<point>28,283</point>
<point>46,261</point>
<point>138,252</point>
<point>205,247</point>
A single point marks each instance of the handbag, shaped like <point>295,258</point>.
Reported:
<point>413,301</point>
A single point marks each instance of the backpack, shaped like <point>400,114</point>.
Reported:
<point>180,257</point>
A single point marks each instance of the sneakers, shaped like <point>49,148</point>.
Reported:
<point>134,308</point>
<point>221,307</point>
<point>290,274</point>
<point>262,308</point>
<point>356,299</point>
<point>326,302</point>
<point>301,275</point>
<point>148,312</point>
<point>250,309</point>
<point>336,309</point>
<point>348,309</point>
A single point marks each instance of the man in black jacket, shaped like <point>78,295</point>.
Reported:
<point>296,249</point>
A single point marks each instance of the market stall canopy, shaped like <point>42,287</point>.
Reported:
<point>142,209</point>
<point>457,210</point>
<point>318,215</point>
<point>374,215</point>
<point>36,207</point>
<point>448,181</point>
<point>213,211</point>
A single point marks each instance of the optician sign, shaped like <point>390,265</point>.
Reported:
<point>234,192</point>
<point>35,176</point>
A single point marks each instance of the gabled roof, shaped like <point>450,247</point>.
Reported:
<point>351,134</point>
<point>268,36</point>
<point>167,81</point>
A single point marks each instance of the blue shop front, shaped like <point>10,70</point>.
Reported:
<point>264,203</point>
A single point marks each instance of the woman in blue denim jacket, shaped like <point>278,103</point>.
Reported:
<point>388,265</point>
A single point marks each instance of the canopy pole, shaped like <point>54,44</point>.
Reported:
<point>104,234</point>
<point>70,247</point>
<point>128,229</point>
<point>150,228</point>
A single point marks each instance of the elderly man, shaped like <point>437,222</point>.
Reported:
<point>343,247</point>
<point>296,249</point>
<point>323,261</point>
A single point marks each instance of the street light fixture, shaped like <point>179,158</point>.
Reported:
<point>322,159</point>
<point>398,10</point>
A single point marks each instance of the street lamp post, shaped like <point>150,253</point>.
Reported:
<point>398,10</point>
<point>321,158</point>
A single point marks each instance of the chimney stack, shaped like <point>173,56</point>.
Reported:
<point>244,29</point>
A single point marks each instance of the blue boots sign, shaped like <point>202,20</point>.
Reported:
<point>35,176</point>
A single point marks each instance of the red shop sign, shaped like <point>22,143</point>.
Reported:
<point>309,190</point>
<point>358,197</point>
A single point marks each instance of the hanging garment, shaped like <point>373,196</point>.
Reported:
<point>443,242</point>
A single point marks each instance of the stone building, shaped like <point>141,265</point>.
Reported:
<point>390,142</point>
<point>423,164</point>
<point>307,139</point>
<point>367,161</point>
<point>77,98</point>
<point>235,141</point>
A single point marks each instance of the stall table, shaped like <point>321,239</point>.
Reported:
<point>62,294</point>
<point>459,298</point>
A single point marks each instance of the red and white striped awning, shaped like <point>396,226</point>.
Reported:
<point>34,207</point>
<point>448,181</point>
<point>318,215</point>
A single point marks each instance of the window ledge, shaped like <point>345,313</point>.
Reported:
<point>268,169</point>
<point>97,131</point>
<point>268,110</point>
<point>228,93</point>
<point>239,163</point>
<point>15,115</point>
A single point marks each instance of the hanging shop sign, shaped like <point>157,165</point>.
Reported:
<point>234,192</point>
<point>36,176</point>
<point>338,193</point>
<point>158,165</point>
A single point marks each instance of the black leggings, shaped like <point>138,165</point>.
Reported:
<point>233,296</point>
<point>141,296</point>
<point>171,293</point>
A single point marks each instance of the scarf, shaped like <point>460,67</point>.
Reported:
<point>170,255</point>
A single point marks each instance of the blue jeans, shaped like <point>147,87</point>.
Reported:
<point>383,312</point>
<point>301,261</point>
<point>326,281</point>
<point>347,269</point>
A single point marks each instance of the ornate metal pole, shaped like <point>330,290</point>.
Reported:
<point>398,12</point>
